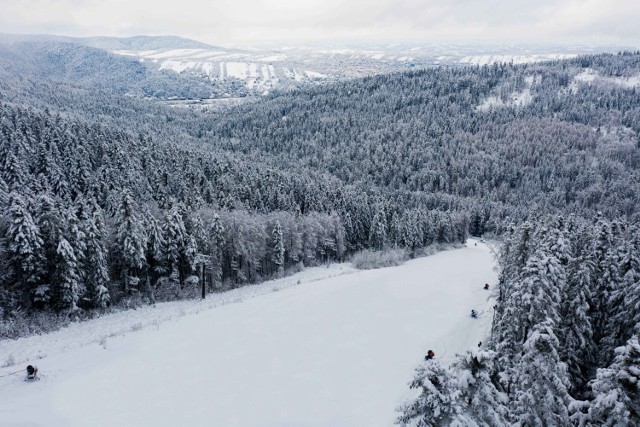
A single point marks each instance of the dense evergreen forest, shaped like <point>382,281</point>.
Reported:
<point>110,200</point>
<point>564,345</point>
<point>113,200</point>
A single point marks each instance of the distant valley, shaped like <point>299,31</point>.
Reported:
<point>183,72</point>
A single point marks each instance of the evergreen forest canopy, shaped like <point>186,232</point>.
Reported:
<point>564,347</point>
<point>109,199</point>
<point>403,160</point>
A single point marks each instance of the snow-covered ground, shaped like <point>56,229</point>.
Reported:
<point>515,99</point>
<point>327,347</point>
<point>516,59</point>
<point>589,76</point>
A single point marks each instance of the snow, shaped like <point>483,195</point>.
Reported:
<point>297,75</point>
<point>265,72</point>
<point>337,349</point>
<point>516,59</point>
<point>237,69</point>
<point>589,76</point>
<point>315,75</point>
<point>177,66</point>
<point>125,52</point>
<point>172,53</point>
<point>627,82</point>
<point>272,58</point>
<point>515,99</point>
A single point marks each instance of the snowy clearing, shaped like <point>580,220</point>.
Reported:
<point>516,59</point>
<point>515,99</point>
<point>589,76</point>
<point>333,351</point>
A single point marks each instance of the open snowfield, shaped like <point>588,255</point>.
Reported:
<point>328,347</point>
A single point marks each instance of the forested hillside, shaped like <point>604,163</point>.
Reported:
<point>108,199</point>
<point>495,141</point>
<point>94,68</point>
<point>564,346</point>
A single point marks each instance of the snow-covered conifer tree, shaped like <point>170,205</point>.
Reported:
<point>131,240</point>
<point>439,402</point>
<point>576,332</point>
<point>155,247</point>
<point>378,230</point>
<point>630,314</point>
<point>14,174</point>
<point>482,402</point>
<point>617,389</point>
<point>624,303</point>
<point>217,245</point>
<point>64,287</point>
<point>96,269</point>
<point>277,252</point>
<point>76,236</point>
<point>533,298</point>
<point>24,241</point>
<point>175,237</point>
<point>541,381</point>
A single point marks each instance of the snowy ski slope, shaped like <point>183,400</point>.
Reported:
<point>338,351</point>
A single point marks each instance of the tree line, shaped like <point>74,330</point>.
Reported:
<point>94,216</point>
<point>564,346</point>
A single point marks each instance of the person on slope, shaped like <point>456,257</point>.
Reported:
<point>486,286</point>
<point>474,314</point>
<point>430,355</point>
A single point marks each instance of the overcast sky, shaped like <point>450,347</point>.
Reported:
<point>291,22</point>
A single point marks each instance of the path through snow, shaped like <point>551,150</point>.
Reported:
<point>332,352</point>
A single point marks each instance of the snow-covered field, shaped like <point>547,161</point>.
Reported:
<point>327,347</point>
<point>516,59</point>
<point>589,76</point>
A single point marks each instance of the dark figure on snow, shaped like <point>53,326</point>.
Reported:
<point>474,314</point>
<point>486,286</point>
<point>32,373</point>
<point>430,355</point>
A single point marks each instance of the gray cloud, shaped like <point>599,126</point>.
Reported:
<point>296,21</point>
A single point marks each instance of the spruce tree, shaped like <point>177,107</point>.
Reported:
<point>541,395</point>
<point>64,287</point>
<point>50,223</point>
<point>155,250</point>
<point>96,268</point>
<point>624,301</point>
<point>378,230</point>
<point>216,234</point>
<point>130,240</point>
<point>439,402</point>
<point>25,244</point>
<point>175,237</point>
<point>576,332</point>
<point>617,389</point>
<point>483,402</point>
<point>277,251</point>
